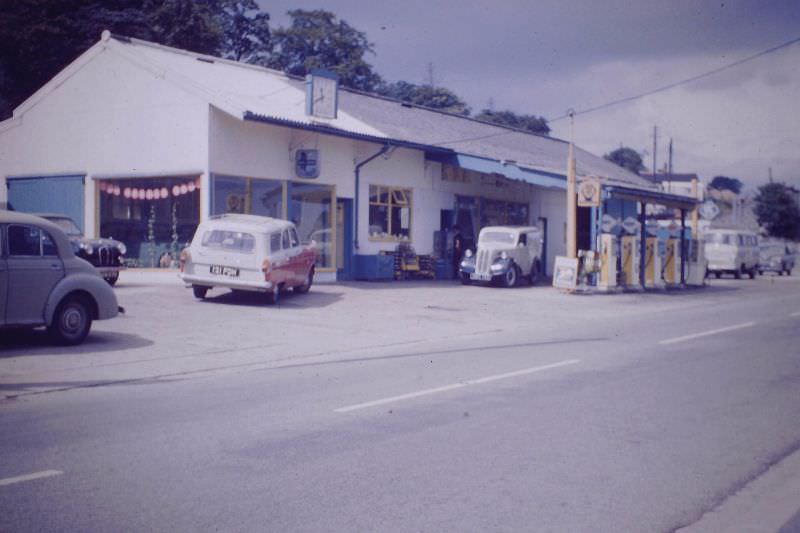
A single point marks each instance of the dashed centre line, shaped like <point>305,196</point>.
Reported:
<point>795,314</point>
<point>707,333</point>
<point>445,388</point>
<point>30,477</point>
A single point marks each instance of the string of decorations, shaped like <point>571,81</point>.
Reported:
<point>152,193</point>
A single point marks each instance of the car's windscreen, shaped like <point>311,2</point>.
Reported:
<point>66,225</point>
<point>234,241</point>
<point>772,249</point>
<point>719,238</point>
<point>503,237</point>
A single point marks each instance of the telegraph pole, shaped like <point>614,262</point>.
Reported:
<point>572,246</point>
<point>655,144</point>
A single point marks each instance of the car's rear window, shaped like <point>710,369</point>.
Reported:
<point>234,241</point>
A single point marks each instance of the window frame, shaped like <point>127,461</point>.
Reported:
<point>396,198</point>
<point>42,233</point>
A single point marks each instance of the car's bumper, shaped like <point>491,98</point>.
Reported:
<point>242,285</point>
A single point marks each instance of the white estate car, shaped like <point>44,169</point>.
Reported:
<point>504,255</point>
<point>248,253</point>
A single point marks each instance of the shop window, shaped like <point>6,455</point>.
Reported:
<point>233,194</point>
<point>154,217</point>
<point>311,209</point>
<point>389,213</point>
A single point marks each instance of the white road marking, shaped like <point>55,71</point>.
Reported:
<point>796,313</point>
<point>706,333</point>
<point>453,386</point>
<point>30,477</point>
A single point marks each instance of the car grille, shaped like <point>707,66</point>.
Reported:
<point>483,261</point>
<point>107,256</point>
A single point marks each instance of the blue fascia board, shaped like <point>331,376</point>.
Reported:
<point>509,170</point>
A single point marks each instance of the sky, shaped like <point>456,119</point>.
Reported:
<point>544,57</point>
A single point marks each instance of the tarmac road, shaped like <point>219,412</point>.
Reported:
<point>410,407</point>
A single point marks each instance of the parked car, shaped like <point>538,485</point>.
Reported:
<point>504,255</point>
<point>731,251</point>
<point>248,253</point>
<point>106,255</point>
<point>775,257</point>
<point>43,283</point>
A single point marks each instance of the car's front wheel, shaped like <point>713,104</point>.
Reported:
<point>112,278</point>
<point>536,273</point>
<point>71,321</point>
<point>511,276</point>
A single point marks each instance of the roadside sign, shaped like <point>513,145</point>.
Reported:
<point>589,193</point>
<point>709,210</point>
<point>608,223</point>
<point>631,225</point>
<point>565,274</point>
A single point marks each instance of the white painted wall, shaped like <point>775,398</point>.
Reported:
<point>109,117</point>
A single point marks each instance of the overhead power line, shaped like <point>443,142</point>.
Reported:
<point>682,82</point>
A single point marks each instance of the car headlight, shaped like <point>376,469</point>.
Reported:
<point>503,256</point>
<point>88,248</point>
<point>468,253</point>
<point>122,249</point>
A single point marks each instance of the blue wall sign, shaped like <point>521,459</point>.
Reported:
<point>306,164</point>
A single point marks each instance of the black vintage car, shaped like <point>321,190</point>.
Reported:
<point>107,255</point>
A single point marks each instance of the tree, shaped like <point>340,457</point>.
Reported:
<point>246,33</point>
<point>724,183</point>
<point>626,158</point>
<point>425,95</point>
<point>530,123</point>
<point>776,210</point>
<point>41,37</point>
<point>316,39</point>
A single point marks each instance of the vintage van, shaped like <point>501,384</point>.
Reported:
<point>731,251</point>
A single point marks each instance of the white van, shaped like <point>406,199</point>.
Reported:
<point>731,251</point>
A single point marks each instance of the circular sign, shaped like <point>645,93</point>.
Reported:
<point>631,225</point>
<point>709,210</point>
<point>608,223</point>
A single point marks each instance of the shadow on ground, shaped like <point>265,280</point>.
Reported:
<point>33,342</point>
<point>290,299</point>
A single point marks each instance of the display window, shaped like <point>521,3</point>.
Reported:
<point>389,213</point>
<point>155,217</point>
<point>233,194</point>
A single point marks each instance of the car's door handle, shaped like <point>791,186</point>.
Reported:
<point>55,266</point>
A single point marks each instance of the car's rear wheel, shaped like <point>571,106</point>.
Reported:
<point>717,274</point>
<point>199,291</point>
<point>112,278</point>
<point>306,286</point>
<point>71,321</point>
<point>738,273</point>
<point>511,276</point>
<point>752,273</point>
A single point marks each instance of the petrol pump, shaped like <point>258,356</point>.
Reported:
<point>652,264</point>
<point>607,280</point>
<point>630,260</point>
<point>672,261</point>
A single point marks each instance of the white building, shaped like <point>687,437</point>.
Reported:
<point>140,142</point>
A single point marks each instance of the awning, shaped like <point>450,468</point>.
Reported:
<point>676,201</point>
<point>504,168</point>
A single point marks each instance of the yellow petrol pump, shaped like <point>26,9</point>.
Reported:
<point>652,264</point>
<point>672,262</point>
<point>608,262</point>
<point>630,260</point>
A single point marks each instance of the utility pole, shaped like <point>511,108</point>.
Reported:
<point>655,145</point>
<point>669,165</point>
<point>572,208</point>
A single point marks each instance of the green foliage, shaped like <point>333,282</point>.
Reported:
<point>316,39</point>
<point>425,95</point>
<point>530,123</point>
<point>724,183</point>
<point>776,210</point>
<point>626,158</point>
<point>246,33</point>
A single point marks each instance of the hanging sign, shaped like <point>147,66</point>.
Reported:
<point>589,193</point>
<point>608,223</point>
<point>631,225</point>
<point>306,164</point>
<point>709,210</point>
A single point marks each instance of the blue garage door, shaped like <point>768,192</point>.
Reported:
<point>50,194</point>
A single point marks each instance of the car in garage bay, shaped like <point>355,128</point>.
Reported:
<point>43,283</point>
<point>248,253</point>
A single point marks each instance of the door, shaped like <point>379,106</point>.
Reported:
<point>34,269</point>
<point>542,225</point>
<point>344,238</point>
<point>50,194</point>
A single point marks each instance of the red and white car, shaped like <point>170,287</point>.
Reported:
<point>248,253</point>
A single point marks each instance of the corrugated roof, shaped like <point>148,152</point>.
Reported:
<point>248,91</point>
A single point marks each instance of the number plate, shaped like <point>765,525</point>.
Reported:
<point>480,277</point>
<point>219,270</point>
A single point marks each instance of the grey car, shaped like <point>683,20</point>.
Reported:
<point>775,257</point>
<point>43,283</point>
